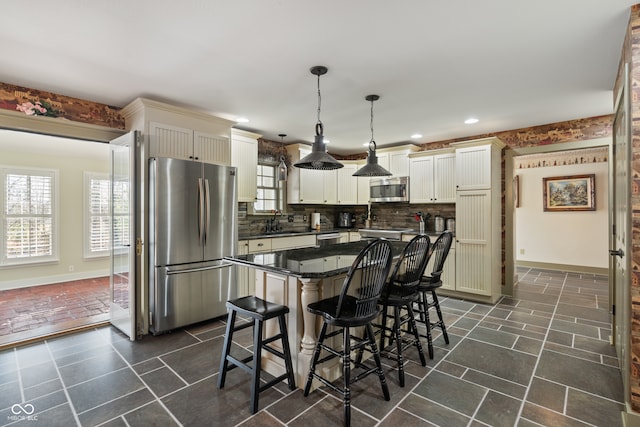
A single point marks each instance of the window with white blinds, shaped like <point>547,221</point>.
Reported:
<point>98,218</point>
<point>28,215</point>
<point>269,192</point>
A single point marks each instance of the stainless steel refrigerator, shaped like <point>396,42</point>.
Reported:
<point>192,222</point>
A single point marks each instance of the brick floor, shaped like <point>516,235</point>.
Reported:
<point>29,309</point>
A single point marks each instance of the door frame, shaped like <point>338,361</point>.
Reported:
<point>510,278</point>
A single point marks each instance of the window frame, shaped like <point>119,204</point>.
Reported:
<point>279,187</point>
<point>55,215</point>
<point>87,215</point>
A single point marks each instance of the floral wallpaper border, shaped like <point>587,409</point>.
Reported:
<point>34,102</point>
<point>574,157</point>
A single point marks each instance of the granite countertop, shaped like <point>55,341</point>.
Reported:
<point>316,262</point>
<point>294,233</point>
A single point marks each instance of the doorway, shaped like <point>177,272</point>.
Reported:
<point>511,247</point>
<point>54,254</point>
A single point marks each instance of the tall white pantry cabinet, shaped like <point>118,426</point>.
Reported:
<point>479,218</point>
<point>179,132</point>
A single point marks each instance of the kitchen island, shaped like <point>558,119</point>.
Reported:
<point>297,278</point>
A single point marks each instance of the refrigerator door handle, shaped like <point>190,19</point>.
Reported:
<point>196,269</point>
<point>207,209</point>
<point>200,210</point>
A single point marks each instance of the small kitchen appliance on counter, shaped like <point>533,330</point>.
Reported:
<point>345,220</point>
<point>451,225</point>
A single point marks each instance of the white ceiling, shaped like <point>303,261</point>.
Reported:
<point>510,63</point>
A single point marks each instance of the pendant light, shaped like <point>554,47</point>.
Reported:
<point>372,168</point>
<point>318,158</point>
<point>282,167</point>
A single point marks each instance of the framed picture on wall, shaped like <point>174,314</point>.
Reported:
<point>569,193</point>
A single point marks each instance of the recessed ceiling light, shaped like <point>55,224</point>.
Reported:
<point>366,144</point>
<point>471,121</point>
<point>416,136</point>
<point>242,120</point>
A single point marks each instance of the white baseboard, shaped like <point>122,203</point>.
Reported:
<point>47,280</point>
<point>563,267</point>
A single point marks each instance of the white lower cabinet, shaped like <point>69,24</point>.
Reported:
<point>293,242</point>
<point>242,273</point>
<point>477,242</point>
<point>246,277</point>
<point>449,269</point>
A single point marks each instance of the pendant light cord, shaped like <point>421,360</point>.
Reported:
<point>372,143</point>
<point>371,123</point>
<point>319,127</point>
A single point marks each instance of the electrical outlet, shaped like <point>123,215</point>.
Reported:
<point>71,269</point>
<point>521,251</point>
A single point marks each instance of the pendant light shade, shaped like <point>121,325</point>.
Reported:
<point>282,167</point>
<point>318,158</point>
<point>372,168</point>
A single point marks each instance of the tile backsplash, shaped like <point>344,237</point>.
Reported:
<point>296,218</point>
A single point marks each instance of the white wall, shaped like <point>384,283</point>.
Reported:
<point>71,158</point>
<point>567,238</point>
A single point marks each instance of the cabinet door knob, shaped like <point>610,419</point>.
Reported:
<point>260,244</point>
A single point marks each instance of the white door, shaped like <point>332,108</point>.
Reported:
<point>125,235</point>
<point>621,234</point>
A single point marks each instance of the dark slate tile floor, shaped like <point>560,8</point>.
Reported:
<point>539,358</point>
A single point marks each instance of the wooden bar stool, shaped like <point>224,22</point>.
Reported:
<point>400,293</point>
<point>355,306</point>
<point>428,285</point>
<point>260,311</point>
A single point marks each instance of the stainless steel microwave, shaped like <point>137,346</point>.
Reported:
<point>393,189</point>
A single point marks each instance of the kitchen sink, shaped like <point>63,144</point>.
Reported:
<point>387,233</point>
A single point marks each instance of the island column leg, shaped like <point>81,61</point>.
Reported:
<point>309,294</point>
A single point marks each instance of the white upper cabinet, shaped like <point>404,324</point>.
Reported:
<point>178,132</point>
<point>476,163</point>
<point>244,156</point>
<point>444,178</point>
<point>339,186</point>
<point>363,185</point>
<point>347,184</point>
<point>310,186</point>
<point>432,177</point>
<point>421,179</point>
<point>396,159</point>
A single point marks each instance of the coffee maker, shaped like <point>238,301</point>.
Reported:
<point>345,220</point>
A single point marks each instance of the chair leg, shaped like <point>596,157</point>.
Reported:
<point>421,303</point>
<point>376,357</point>
<point>314,360</point>
<point>416,335</point>
<point>226,348</point>
<point>427,325</point>
<point>383,328</point>
<point>346,374</point>
<point>287,352</point>
<point>396,331</point>
<point>436,303</point>
<point>257,357</point>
